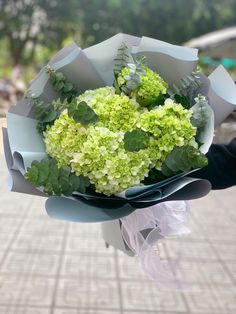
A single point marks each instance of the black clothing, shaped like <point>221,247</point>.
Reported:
<point>221,169</point>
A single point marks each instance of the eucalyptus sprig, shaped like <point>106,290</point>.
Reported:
<point>183,159</point>
<point>122,58</point>
<point>128,79</point>
<point>133,79</point>
<point>185,92</point>
<point>187,84</point>
<point>54,180</point>
<point>66,89</point>
<point>45,113</point>
<point>200,114</point>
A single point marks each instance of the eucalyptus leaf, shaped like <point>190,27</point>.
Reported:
<point>166,171</point>
<point>43,172</point>
<point>133,81</point>
<point>65,171</point>
<point>84,184</point>
<point>135,140</point>
<point>66,89</point>
<point>48,189</point>
<point>122,58</point>
<point>50,116</point>
<point>59,76</point>
<point>82,113</point>
<point>183,159</point>
<point>187,87</point>
<point>54,180</point>
<point>32,175</point>
<point>200,112</point>
<point>75,181</point>
<point>44,113</point>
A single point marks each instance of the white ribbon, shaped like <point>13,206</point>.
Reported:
<point>145,228</point>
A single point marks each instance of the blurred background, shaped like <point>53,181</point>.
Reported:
<point>55,267</point>
<point>31,31</point>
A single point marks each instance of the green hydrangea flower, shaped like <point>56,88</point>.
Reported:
<point>63,138</point>
<point>97,150</point>
<point>107,164</point>
<point>116,112</point>
<point>151,85</point>
<point>170,126</point>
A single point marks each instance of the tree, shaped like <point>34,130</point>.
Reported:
<point>174,21</point>
<point>26,24</point>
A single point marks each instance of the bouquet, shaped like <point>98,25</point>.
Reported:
<point>116,127</point>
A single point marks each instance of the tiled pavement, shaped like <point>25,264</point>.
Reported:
<point>53,267</point>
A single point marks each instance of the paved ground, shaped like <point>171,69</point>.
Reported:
<point>52,267</point>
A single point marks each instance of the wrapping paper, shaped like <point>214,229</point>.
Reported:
<point>91,68</point>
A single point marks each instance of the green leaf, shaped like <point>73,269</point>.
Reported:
<point>66,89</point>
<point>116,85</point>
<point>59,86</point>
<point>53,174</point>
<point>64,184</point>
<point>75,181</point>
<point>200,112</point>
<point>55,180</point>
<point>82,113</point>
<point>134,80</point>
<point>166,171</point>
<point>135,140</point>
<point>32,175</point>
<point>50,116</point>
<point>68,191</point>
<point>57,188</point>
<point>180,160</point>
<point>122,58</point>
<point>159,101</point>
<point>65,171</point>
<point>38,173</point>
<point>183,159</point>
<point>59,76</point>
<point>35,163</point>
<point>188,85</point>
<point>84,183</point>
<point>43,172</point>
<point>44,113</point>
<point>52,74</point>
<point>121,61</point>
<point>154,176</point>
<point>183,100</point>
<point>48,189</point>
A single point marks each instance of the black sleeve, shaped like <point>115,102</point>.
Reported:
<point>221,169</point>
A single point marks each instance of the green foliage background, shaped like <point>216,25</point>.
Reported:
<point>31,30</point>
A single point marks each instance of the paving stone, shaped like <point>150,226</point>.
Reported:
<point>26,290</point>
<point>30,263</point>
<point>88,292</point>
<point>49,266</point>
<point>83,266</point>
<point>144,295</point>
<point>9,309</point>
